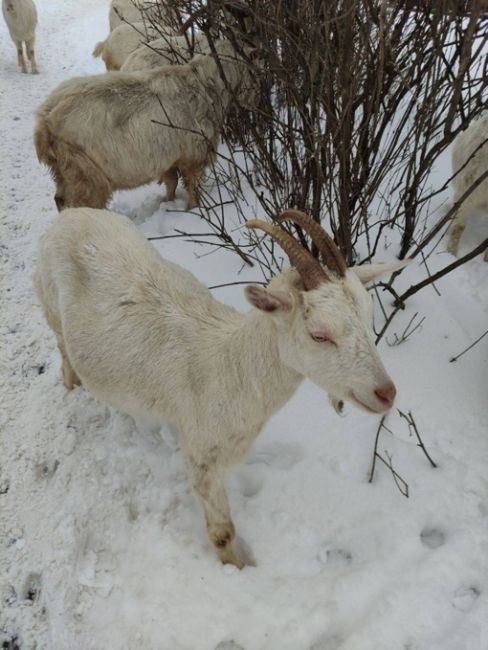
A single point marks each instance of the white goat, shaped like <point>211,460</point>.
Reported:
<point>123,10</point>
<point>162,51</point>
<point>476,135</point>
<point>21,19</point>
<point>143,335</point>
<point>121,42</point>
<point>120,146</point>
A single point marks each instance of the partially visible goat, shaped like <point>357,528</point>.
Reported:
<point>143,335</point>
<point>475,137</point>
<point>121,42</point>
<point>162,51</point>
<point>122,145</point>
<point>21,19</point>
<point>124,11</point>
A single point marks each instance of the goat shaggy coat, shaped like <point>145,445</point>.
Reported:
<point>162,51</point>
<point>120,130</point>
<point>21,19</point>
<point>131,11</point>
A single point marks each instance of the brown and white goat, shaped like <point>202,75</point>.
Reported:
<point>113,131</point>
<point>21,19</point>
<point>145,336</point>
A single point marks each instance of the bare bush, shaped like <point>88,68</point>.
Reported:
<point>359,99</point>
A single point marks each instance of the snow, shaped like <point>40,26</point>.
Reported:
<point>102,544</point>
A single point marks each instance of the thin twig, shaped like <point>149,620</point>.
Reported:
<point>407,331</point>
<point>231,284</point>
<point>371,474</point>
<point>431,279</point>
<point>401,484</point>
<point>412,426</point>
<point>468,348</point>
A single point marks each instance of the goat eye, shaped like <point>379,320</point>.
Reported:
<point>321,338</point>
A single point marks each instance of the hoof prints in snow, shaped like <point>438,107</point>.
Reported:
<point>276,455</point>
<point>432,537</point>
<point>10,642</point>
<point>335,557</point>
<point>46,470</point>
<point>465,597</point>
<point>32,587</point>
<point>327,643</point>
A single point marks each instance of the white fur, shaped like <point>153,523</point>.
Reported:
<point>121,42</point>
<point>464,145</point>
<point>143,335</point>
<point>124,10</point>
<point>161,51</point>
<point>21,19</point>
<point>98,133</point>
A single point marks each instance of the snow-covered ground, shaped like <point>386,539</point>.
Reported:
<point>102,544</point>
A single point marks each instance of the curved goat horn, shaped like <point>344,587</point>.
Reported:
<point>331,255</point>
<point>310,270</point>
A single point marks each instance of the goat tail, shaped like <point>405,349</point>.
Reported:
<point>99,49</point>
<point>43,143</point>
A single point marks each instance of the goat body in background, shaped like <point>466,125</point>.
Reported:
<point>122,41</point>
<point>143,335</point>
<point>123,10</point>
<point>21,19</point>
<point>143,126</point>
<point>162,51</point>
<point>468,141</point>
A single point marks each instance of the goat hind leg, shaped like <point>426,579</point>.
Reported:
<point>31,56</point>
<point>170,179</point>
<point>20,56</point>
<point>192,177</point>
<point>70,378</point>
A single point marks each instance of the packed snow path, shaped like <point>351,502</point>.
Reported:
<point>103,546</point>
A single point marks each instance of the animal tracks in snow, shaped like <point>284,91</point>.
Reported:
<point>465,597</point>
<point>432,537</point>
<point>250,478</point>
<point>276,454</point>
<point>334,557</point>
<point>228,645</point>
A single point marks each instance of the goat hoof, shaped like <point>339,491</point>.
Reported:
<point>230,557</point>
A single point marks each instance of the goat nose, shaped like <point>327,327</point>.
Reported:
<point>386,394</point>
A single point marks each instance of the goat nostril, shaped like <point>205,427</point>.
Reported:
<point>386,394</point>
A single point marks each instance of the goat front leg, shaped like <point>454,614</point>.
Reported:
<point>208,483</point>
<point>20,56</point>
<point>170,179</point>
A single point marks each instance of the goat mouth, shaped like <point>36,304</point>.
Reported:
<point>364,406</point>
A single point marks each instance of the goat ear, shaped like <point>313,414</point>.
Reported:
<point>369,273</point>
<point>268,301</point>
